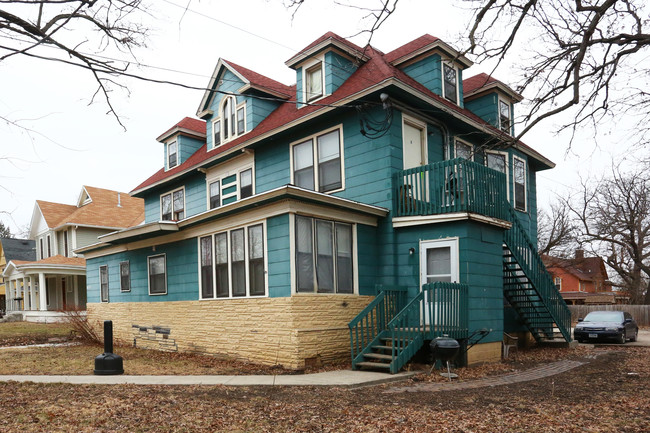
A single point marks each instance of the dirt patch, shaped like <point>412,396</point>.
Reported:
<point>599,396</point>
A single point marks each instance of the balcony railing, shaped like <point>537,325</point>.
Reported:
<point>452,186</point>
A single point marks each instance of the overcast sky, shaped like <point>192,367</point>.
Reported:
<point>76,143</point>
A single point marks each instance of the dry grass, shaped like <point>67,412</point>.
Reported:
<point>21,333</point>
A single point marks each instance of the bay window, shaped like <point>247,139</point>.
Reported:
<point>234,262</point>
<point>323,256</point>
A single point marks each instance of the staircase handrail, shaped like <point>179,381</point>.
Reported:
<point>406,337</point>
<point>531,263</point>
<point>366,326</point>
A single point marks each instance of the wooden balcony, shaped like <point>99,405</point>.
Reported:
<point>450,187</point>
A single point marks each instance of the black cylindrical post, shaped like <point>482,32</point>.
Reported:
<point>108,336</point>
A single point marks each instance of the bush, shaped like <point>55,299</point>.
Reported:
<point>79,322</point>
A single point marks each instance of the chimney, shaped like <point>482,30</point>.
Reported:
<point>580,254</point>
<point>119,201</point>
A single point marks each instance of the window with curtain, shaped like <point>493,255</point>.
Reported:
<point>323,256</point>
<point>314,82</point>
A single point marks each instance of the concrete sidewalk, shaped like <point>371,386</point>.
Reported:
<point>344,378</point>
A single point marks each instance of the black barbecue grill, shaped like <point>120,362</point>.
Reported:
<point>444,349</point>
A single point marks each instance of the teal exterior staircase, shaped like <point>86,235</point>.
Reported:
<point>529,288</point>
<point>385,337</point>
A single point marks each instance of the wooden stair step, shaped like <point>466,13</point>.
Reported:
<point>380,365</point>
<point>378,356</point>
<point>383,347</point>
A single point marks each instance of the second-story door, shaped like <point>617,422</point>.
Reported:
<point>415,187</point>
<point>414,150</point>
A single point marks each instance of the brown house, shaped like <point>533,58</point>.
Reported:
<point>581,280</point>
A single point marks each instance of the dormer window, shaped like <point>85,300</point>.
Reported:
<point>314,82</point>
<point>172,154</point>
<point>504,116</point>
<point>231,123</point>
<point>450,82</point>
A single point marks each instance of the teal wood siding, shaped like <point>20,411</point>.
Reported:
<point>230,85</point>
<point>337,69</point>
<point>257,110</point>
<point>299,95</point>
<point>367,256</point>
<point>486,108</point>
<point>427,72</point>
<point>272,167</point>
<point>151,208</point>
<point>186,147</point>
<point>279,256</point>
<point>480,266</point>
<point>182,274</point>
<point>435,144</point>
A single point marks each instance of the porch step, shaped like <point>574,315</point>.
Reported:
<point>373,365</point>
<point>383,347</point>
<point>380,356</point>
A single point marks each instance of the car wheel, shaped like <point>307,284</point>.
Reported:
<point>635,336</point>
<point>622,338</point>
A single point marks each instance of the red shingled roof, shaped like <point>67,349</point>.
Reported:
<point>412,46</point>
<point>585,268</point>
<point>376,70</point>
<point>261,81</point>
<point>326,36</point>
<point>477,81</point>
<point>190,123</point>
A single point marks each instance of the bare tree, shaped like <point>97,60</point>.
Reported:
<point>586,58</point>
<point>555,230</point>
<point>4,231</point>
<point>614,218</point>
<point>79,33</point>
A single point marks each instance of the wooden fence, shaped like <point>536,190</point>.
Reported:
<point>641,313</point>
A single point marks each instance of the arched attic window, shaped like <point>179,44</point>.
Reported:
<point>231,122</point>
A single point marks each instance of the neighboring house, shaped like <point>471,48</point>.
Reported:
<point>287,212</point>
<point>13,249</point>
<point>56,231</point>
<point>581,280</point>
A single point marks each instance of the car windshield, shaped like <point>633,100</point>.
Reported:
<point>604,316</point>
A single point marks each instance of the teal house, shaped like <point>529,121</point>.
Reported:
<point>376,204</point>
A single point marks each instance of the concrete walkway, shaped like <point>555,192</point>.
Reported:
<point>345,378</point>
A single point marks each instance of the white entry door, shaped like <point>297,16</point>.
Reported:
<point>414,150</point>
<point>438,262</point>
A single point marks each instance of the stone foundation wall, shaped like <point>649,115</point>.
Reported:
<point>291,332</point>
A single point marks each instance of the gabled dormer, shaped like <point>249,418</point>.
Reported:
<point>323,66</point>
<point>491,100</point>
<point>433,63</point>
<point>181,141</point>
<point>238,99</point>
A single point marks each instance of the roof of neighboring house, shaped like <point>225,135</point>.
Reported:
<point>18,249</point>
<point>585,269</point>
<point>591,298</point>
<point>374,73</point>
<point>103,210</point>
<point>57,260</point>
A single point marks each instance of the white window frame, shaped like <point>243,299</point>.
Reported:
<point>48,241</point>
<point>503,101</point>
<point>514,184</point>
<point>470,145</point>
<point>556,281</point>
<point>219,118</point>
<point>246,261</point>
<point>229,170</point>
<point>319,63</point>
<point>122,290</point>
<point>454,257</point>
<point>507,168</point>
<point>169,166</point>
<point>442,73</point>
<point>314,148</point>
<point>293,252</point>
<point>164,256</point>
<point>101,294</point>
<point>171,194</point>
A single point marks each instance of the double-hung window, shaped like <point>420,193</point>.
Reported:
<point>246,183</point>
<point>172,154</point>
<point>519,175</point>
<point>125,276</point>
<point>233,263</point>
<point>498,161</point>
<point>215,194</point>
<point>229,186</point>
<point>504,116</point>
<point>103,283</point>
<point>157,267</point>
<point>317,162</point>
<point>314,82</point>
<point>450,82</point>
<point>172,205</point>
<point>230,123</point>
<point>323,256</point>
<point>464,150</point>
